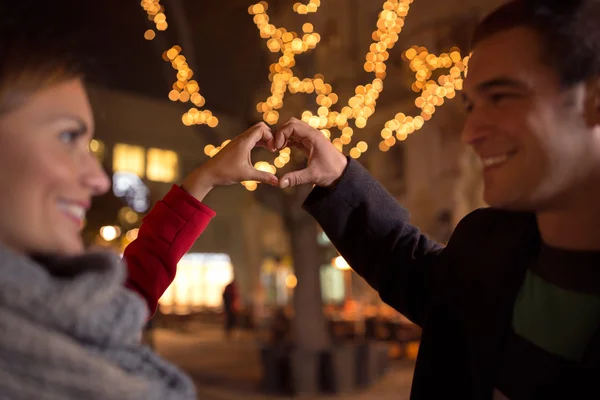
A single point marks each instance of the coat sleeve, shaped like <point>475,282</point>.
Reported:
<point>372,232</point>
<point>166,234</point>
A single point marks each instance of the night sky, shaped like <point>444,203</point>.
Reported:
<point>230,55</point>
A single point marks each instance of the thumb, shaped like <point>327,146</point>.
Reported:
<point>264,177</point>
<point>296,178</point>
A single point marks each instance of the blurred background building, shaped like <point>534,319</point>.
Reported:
<point>143,144</point>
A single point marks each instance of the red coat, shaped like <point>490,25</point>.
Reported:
<point>166,234</point>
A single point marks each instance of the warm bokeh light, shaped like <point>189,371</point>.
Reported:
<point>149,34</point>
<point>291,281</point>
<point>132,234</point>
<point>250,185</point>
<point>340,263</point>
<point>185,89</point>
<point>359,108</point>
<point>94,145</point>
<point>311,7</point>
<point>155,14</point>
<point>110,233</point>
<point>128,216</point>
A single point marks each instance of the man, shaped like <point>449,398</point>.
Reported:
<point>510,308</point>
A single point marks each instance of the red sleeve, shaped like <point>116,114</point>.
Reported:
<point>166,234</point>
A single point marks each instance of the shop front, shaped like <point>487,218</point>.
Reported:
<point>198,285</point>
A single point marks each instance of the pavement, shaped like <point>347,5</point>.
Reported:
<point>230,370</point>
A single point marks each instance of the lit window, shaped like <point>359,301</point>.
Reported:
<point>199,283</point>
<point>128,158</point>
<point>163,165</point>
<point>333,286</point>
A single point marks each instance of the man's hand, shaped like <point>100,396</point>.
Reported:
<point>232,164</point>
<point>325,163</point>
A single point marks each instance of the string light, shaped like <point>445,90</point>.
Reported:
<point>432,93</point>
<point>185,89</point>
<point>311,7</point>
<point>149,34</point>
<point>360,107</point>
<point>156,14</point>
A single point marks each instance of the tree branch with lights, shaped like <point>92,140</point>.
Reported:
<point>359,107</point>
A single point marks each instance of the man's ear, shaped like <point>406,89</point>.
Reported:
<point>592,106</point>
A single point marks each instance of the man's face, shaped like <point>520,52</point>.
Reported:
<point>530,133</point>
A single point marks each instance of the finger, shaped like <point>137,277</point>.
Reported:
<point>259,135</point>
<point>265,144</point>
<point>300,146</point>
<point>263,177</point>
<point>261,126</point>
<point>296,178</point>
<point>297,130</point>
<point>281,139</point>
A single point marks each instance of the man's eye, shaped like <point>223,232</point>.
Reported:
<point>498,97</point>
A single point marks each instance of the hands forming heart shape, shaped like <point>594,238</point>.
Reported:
<point>233,163</point>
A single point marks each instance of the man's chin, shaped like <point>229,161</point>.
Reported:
<point>508,203</point>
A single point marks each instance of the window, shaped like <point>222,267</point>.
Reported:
<point>333,289</point>
<point>163,165</point>
<point>157,165</point>
<point>199,283</point>
<point>128,158</point>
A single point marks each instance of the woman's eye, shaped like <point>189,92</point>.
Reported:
<point>70,136</point>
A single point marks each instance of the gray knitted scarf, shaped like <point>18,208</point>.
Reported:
<point>70,330</point>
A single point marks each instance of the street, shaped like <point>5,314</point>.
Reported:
<point>225,370</point>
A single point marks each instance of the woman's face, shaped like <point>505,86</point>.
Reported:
<point>47,173</point>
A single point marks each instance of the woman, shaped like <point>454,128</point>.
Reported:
<point>71,321</point>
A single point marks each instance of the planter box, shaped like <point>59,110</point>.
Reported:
<point>276,369</point>
<point>338,368</point>
<point>305,372</point>
<point>371,363</point>
<point>290,371</point>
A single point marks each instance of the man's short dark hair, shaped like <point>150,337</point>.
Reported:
<point>569,30</point>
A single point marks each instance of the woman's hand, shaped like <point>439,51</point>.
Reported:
<point>232,164</point>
